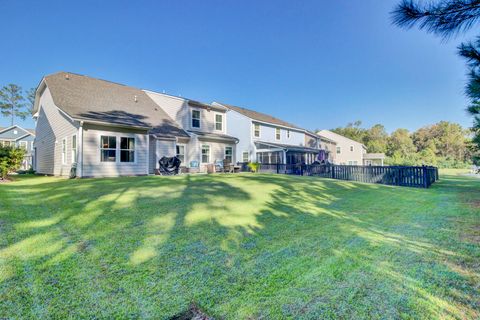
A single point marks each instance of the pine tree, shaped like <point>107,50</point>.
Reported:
<point>447,18</point>
<point>12,103</point>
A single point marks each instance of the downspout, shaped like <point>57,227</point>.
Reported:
<point>80,149</point>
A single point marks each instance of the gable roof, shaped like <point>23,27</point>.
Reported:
<point>255,115</point>
<point>331,133</point>
<point>96,100</point>
<point>26,132</point>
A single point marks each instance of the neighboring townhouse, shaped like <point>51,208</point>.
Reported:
<point>108,129</point>
<point>269,140</point>
<point>206,125</point>
<point>351,152</point>
<point>18,137</point>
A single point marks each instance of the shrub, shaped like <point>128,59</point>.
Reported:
<point>254,166</point>
<point>10,160</point>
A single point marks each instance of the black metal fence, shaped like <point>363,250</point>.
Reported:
<point>419,177</point>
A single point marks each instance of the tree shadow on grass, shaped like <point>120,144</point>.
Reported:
<point>244,246</point>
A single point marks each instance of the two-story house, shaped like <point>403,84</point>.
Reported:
<point>206,125</point>
<point>16,136</point>
<point>351,152</point>
<point>104,128</point>
<point>269,140</point>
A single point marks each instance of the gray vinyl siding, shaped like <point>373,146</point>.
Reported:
<point>52,127</point>
<point>152,155</point>
<point>175,107</point>
<point>93,167</point>
<point>207,120</point>
<point>217,152</point>
<point>179,110</point>
<point>165,148</point>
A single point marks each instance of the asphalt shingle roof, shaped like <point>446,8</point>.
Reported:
<point>255,115</point>
<point>87,98</point>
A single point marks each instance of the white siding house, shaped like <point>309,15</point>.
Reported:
<point>351,152</point>
<point>266,139</point>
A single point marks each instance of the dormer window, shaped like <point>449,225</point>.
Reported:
<point>195,118</point>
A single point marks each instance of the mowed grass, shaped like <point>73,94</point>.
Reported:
<point>243,246</point>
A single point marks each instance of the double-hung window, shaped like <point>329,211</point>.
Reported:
<point>288,134</point>
<point>181,152</point>
<point>229,154</point>
<point>245,156</point>
<point>277,134</point>
<point>23,145</point>
<point>108,149</point>
<point>205,153</point>
<point>219,122</point>
<point>127,149</point>
<point>256,130</point>
<point>74,149</point>
<point>195,118</point>
<point>351,148</point>
<point>339,150</point>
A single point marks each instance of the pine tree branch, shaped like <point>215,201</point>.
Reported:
<point>444,18</point>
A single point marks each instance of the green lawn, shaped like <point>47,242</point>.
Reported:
<point>240,247</point>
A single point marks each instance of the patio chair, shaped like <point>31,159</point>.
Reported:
<point>227,166</point>
<point>218,166</point>
<point>194,167</point>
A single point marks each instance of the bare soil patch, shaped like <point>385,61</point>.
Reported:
<point>192,313</point>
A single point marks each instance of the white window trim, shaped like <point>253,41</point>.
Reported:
<point>119,150</point>
<point>209,153</point>
<point>259,130</point>
<point>74,159</point>
<point>288,134</point>
<point>215,121</point>
<point>338,150</point>
<point>25,143</point>
<point>64,154</point>
<point>118,137</point>
<point>199,119</point>
<point>225,153</point>
<point>184,151</point>
<point>248,156</point>
<point>117,160</point>
<point>279,137</point>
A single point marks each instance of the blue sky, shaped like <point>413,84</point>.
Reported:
<point>318,64</point>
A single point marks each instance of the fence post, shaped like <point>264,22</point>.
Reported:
<point>333,171</point>
<point>278,168</point>
<point>425,177</point>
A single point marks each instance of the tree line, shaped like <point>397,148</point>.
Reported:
<point>447,19</point>
<point>443,144</point>
<point>15,102</point>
